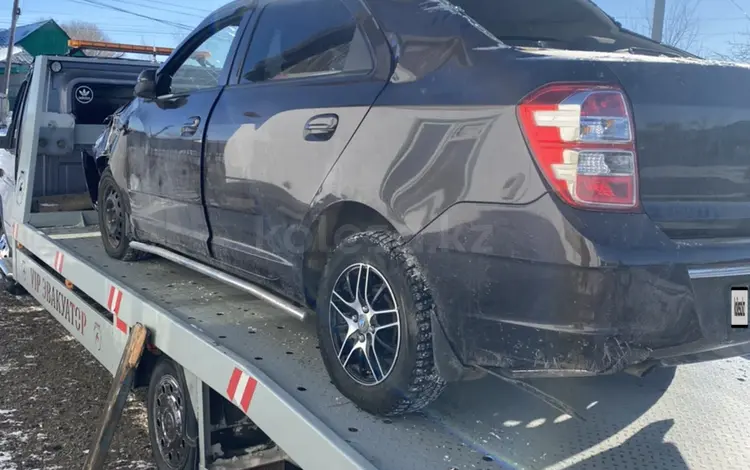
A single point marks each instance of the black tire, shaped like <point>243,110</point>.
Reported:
<point>12,287</point>
<point>167,378</point>
<point>114,223</point>
<point>413,380</point>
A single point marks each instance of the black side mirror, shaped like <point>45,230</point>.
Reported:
<point>146,85</point>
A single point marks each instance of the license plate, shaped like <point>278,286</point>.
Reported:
<point>739,307</point>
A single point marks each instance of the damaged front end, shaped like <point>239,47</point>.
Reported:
<point>96,159</point>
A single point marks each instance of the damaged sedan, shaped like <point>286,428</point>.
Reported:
<point>455,188</point>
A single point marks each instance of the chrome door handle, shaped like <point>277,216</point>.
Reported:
<point>191,127</point>
<point>321,127</point>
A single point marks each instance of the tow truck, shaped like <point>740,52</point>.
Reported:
<point>245,381</point>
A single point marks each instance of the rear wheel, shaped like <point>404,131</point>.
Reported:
<point>114,224</point>
<point>172,427</point>
<point>374,325</point>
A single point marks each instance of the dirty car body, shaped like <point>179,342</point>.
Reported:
<point>576,194</point>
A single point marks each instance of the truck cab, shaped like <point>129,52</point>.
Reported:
<point>83,93</point>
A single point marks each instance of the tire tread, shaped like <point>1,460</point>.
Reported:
<point>425,384</point>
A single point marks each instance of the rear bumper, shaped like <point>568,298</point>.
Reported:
<point>542,292</point>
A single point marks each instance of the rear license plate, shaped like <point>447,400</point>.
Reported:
<point>739,307</point>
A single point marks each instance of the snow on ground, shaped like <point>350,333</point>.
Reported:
<point>51,397</point>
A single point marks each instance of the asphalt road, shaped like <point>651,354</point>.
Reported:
<point>52,395</point>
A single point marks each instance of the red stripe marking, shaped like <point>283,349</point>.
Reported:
<point>116,307</point>
<point>233,382</point>
<point>121,325</point>
<point>109,299</point>
<point>248,395</point>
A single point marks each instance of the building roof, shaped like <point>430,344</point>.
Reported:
<point>21,32</point>
<point>19,57</point>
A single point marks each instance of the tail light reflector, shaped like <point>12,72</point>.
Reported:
<point>582,138</point>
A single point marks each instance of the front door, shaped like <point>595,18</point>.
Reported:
<point>308,80</point>
<point>165,168</point>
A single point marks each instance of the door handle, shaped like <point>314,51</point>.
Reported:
<point>191,126</point>
<point>321,127</point>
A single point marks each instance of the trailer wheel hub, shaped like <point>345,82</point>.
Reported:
<point>169,423</point>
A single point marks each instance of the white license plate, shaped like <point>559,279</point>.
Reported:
<point>739,307</point>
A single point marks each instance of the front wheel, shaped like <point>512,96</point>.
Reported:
<point>172,427</point>
<point>114,224</point>
<point>374,325</point>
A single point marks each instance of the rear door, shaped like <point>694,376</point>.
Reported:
<point>310,74</point>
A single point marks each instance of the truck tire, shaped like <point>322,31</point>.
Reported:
<point>12,286</point>
<point>389,319</point>
<point>172,427</point>
<point>114,223</point>
<point>9,285</point>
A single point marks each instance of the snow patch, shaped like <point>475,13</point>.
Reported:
<point>626,57</point>
<point>33,308</point>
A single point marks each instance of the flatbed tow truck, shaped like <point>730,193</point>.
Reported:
<point>234,349</point>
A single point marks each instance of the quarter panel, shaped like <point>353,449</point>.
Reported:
<point>420,160</point>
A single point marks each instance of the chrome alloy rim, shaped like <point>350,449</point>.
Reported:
<point>364,323</point>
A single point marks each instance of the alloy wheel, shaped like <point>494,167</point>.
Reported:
<point>365,325</point>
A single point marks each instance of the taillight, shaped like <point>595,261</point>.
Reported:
<point>583,140</point>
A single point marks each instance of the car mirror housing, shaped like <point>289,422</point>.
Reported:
<point>145,87</point>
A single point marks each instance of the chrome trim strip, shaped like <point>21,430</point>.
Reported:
<point>221,276</point>
<point>708,273</point>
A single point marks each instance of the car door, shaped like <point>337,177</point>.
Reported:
<point>9,154</point>
<point>311,72</point>
<point>166,138</point>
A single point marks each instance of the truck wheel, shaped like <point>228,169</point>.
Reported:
<point>114,224</point>
<point>171,421</point>
<point>373,312</point>
<point>12,286</point>
<point>9,285</point>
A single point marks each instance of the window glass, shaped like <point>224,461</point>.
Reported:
<point>203,68</point>
<point>303,38</point>
<point>94,102</point>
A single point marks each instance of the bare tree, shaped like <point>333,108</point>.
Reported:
<point>739,49</point>
<point>86,31</point>
<point>681,27</point>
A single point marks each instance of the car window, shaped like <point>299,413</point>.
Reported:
<point>93,102</point>
<point>203,68</point>
<point>303,38</point>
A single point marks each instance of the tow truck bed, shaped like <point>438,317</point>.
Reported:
<point>485,424</point>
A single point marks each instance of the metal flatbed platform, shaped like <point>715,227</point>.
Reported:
<point>659,421</point>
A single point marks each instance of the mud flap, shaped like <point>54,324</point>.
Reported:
<point>449,366</point>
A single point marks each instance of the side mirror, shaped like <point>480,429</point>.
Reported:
<point>4,110</point>
<point>146,85</point>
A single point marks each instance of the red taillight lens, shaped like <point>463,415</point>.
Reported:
<point>583,140</point>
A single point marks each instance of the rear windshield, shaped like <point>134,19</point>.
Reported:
<point>560,24</point>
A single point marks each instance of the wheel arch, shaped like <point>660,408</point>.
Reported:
<point>329,227</point>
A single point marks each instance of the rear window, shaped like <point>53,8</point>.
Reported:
<point>558,24</point>
<point>92,103</point>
